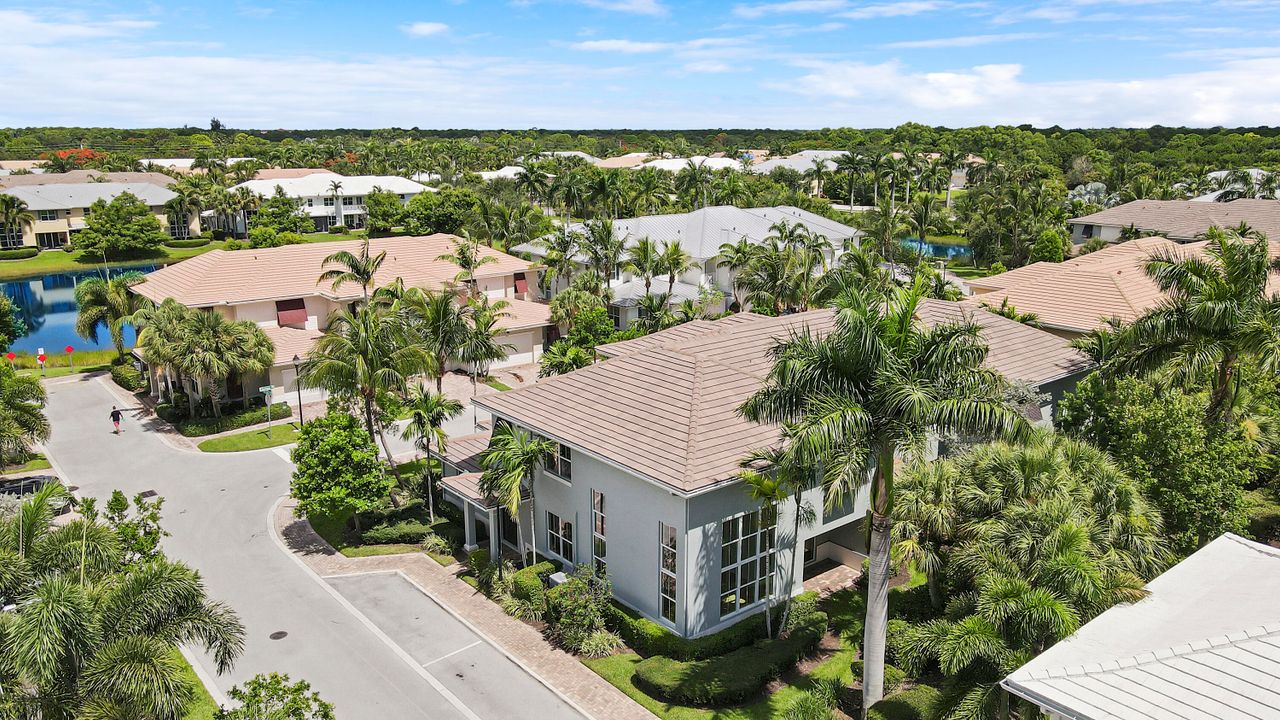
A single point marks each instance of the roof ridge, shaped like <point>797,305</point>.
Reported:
<point>1158,656</point>
<point>695,414</point>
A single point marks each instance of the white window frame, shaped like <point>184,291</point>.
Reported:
<point>328,201</point>
<point>560,537</point>
<point>46,215</point>
<point>748,559</point>
<point>668,572</point>
<point>560,463</point>
<point>599,543</point>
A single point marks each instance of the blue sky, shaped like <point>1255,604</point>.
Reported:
<point>641,63</point>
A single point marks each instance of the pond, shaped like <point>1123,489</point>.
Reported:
<point>48,305</point>
<point>937,250</point>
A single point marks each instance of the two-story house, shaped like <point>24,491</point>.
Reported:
<point>279,289</point>
<point>60,210</point>
<point>330,199</point>
<point>648,443</point>
<point>1182,221</point>
<point>701,233</point>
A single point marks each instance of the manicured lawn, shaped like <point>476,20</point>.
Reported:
<point>37,462</point>
<point>202,706</point>
<point>497,384</point>
<point>281,434</point>
<point>969,273</point>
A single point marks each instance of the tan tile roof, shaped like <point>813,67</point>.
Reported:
<point>85,176</point>
<point>1082,293</point>
<point>523,314</point>
<point>289,173</point>
<point>667,409</point>
<point>1187,219</point>
<point>291,341</point>
<point>467,487</point>
<point>231,277</point>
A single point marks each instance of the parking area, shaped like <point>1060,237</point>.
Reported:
<point>454,657</point>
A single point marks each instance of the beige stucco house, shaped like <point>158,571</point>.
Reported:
<point>279,290</point>
<point>60,210</point>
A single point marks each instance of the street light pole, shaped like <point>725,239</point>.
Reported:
<point>297,382</point>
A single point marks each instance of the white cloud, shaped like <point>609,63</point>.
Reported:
<point>967,40</point>
<point>708,66</point>
<point>25,27</point>
<point>424,29</point>
<point>794,6</point>
<point>621,46</point>
<point>634,7</point>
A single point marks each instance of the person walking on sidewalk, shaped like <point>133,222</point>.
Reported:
<point>116,415</point>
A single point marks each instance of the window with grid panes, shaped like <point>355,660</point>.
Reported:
<point>560,536</point>
<point>597,531</point>
<point>667,571</point>
<point>747,558</point>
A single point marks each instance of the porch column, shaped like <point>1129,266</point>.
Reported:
<point>469,527</point>
<point>495,551</point>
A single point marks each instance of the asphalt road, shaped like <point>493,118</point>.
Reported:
<point>216,510</point>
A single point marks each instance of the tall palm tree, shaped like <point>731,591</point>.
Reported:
<point>674,260</point>
<point>644,260</point>
<point>655,312</point>
<point>428,412</point>
<point>562,249</point>
<point>211,348</point>
<point>22,419</point>
<point>923,216</point>
<point>15,216</point>
<point>853,165</point>
<point>874,388</point>
<point>159,337</point>
<point>480,346</point>
<point>884,226</point>
<point>438,321</point>
<point>350,267</point>
<point>511,459</point>
<point>469,259</point>
<point>736,257</point>
<point>604,248</point>
<point>107,302</point>
<point>925,515</point>
<point>1216,313</point>
<point>335,191</point>
<point>533,180</point>
<point>607,190</point>
<point>817,174</point>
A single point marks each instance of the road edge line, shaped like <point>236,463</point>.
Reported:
<point>364,620</point>
<point>204,677</point>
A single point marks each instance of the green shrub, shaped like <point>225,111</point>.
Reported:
<point>893,677</point>
<point>1264,514</point>
<point>21,253</point>
<point>235,245</point>
<point>471,580</point>
<point>263,237</point>
<point>803,607</point>
<point>600,644</point>
<point>406,532</point>
<point>478,561</point>
<point>338,229</point>
<point>817,703</point>
<point>187,243</point>
<point>529,584</point>
<point>914,704</point>
<point>732,677</point>
<point>575,608</point>
<point>128,377</point>
<point>233,418</point>
<point>649,638</point>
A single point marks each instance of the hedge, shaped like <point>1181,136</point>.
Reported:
<point>127,377</point>
<point>232,420</point>
<point>648,638</point>
<point>914,704</point>
<point>188,243</point>
<point>529,583</point>
<point>19,253</point>
<point>406,532</point>
<point>730,678</point>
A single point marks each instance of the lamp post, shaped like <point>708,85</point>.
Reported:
<point>297,383</point>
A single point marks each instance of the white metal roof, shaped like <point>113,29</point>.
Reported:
<point>317,185</point>
<point>800,161</point>
<point>64,196</point>
<point>676,164</point>
<point>1204,644</point>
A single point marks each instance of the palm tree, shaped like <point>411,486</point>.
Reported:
<point>159,337</point>
<point>533,180</point>
<point>480,347</point>
<point>884,226</point>
<point>922,216</point>
<point>511,459</point>
<point>468,257</point>
<point>925,515</point>
<point>644,260</point>
<point>817,174</point>
<point>349,267</point>
<point>873,388</point>
<point>853,165</point>
<point>438,321</point>
<point>606,190</point>
<point>674,260</point>
<point>428,412</point>
<point>107,302</point>
<point>1216,313</point>
<point>564,357</point>
<point>562,249</point>
<point>736,257</point>
<point>335,190</point>
<point>1006,310</point>
<point>953,159</point>
<point>22,419</point>
<point>211,348</point>
<point>604,248</point>
<point>571,302</point>
<point>655,312</point>
<point>14,217</point>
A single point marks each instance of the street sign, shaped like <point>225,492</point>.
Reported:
<point>265,389</point>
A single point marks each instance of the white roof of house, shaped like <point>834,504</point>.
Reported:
<point>678,164</point>
<point>317,185</point>
<point>630,291</point>
<point>506,171</point>
<point>569,153</point>
<point>183,163</point>
<point>1204,644</point>
<point>63,196</point>
<point>703,231</point>
<point>799,162</point>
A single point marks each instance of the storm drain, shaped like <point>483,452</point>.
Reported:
<point>278,635</point>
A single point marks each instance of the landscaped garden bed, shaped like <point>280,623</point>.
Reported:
<point>233,417</point>
<point>391,531</point>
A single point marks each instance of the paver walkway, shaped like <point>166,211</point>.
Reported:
<point>575,681</point>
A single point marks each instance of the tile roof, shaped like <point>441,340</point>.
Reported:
<point>665,406</point>
<point>86,176</point>
<point>1187,219</point>
<point>629,160</point>
<point>1205,643</point>
<point>523,314</point>
<point>1082,293</point>
<point>64,196</point>
<point>287,173</point>
<point>221,277</point>
<point>290,341</point>
<point>464,452</point>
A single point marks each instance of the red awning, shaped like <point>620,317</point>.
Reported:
<point>522,285</point>
<point>291,312</point>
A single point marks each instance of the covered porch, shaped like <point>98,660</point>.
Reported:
<point>485,523</point>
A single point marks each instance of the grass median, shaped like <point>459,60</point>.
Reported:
<point>276,435</point>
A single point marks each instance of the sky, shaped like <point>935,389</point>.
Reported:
<point>642,64</point>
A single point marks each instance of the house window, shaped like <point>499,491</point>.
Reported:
<point>747,559</point>
<point>667,571</point>
<point>560,536</point>
<point>810,551</point>
<point>597,531</point>
<point>328,201</point>
<point>559,462</point>
<point>291,312</point>
<point>10,237</point>
<point>348,201</point>
<point>178,229</point>
<point>46,215</point>
<point>1086,232</point>
<point>311,202</point>
<point>51,241</point>
<point>615,314</point>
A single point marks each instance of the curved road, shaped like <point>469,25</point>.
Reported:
<point>216,508</point>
